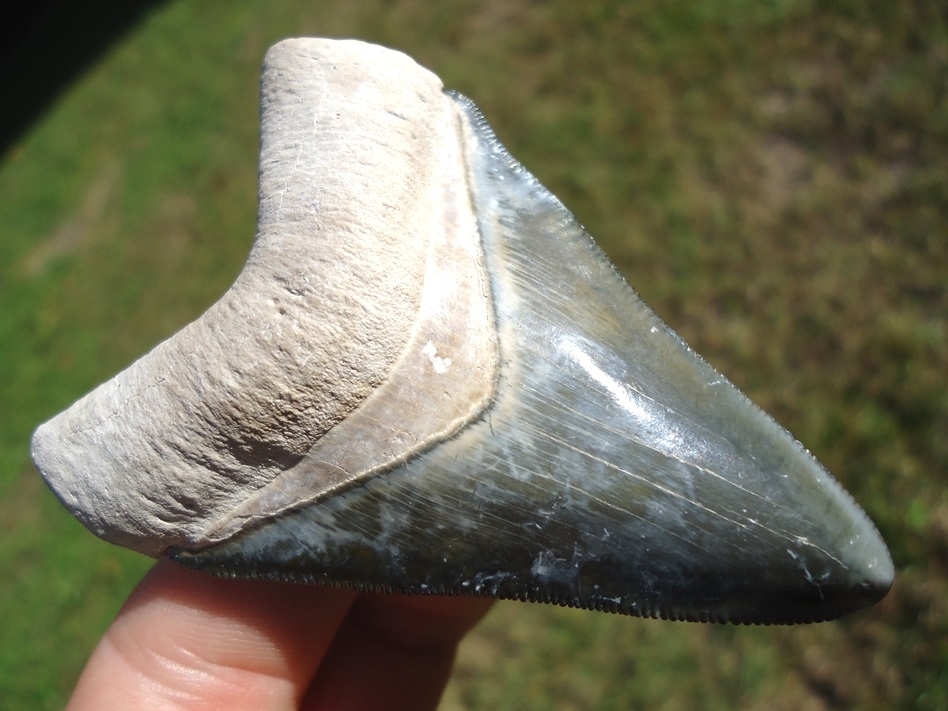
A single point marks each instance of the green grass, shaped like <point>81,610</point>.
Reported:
<point>771,176</point>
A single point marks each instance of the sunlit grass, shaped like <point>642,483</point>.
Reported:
<point>769,175</point>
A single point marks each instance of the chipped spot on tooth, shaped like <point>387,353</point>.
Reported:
<point>439,364</point>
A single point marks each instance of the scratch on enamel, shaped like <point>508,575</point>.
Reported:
<point>810,578</point>
<point>439,364</point>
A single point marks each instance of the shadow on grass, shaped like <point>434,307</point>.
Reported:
<point>46,45</point>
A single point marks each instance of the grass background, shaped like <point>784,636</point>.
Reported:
<point>772,177</point>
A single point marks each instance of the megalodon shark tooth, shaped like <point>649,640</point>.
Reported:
<point>429,379</point>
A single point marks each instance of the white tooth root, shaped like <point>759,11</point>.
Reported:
<point>365,256</point>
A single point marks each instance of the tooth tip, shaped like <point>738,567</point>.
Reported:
<point>877,573</point>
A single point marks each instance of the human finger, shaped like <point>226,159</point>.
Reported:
<point>393,652</point>
<point>189,641</point>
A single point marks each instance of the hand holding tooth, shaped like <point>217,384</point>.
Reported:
<point>428,379</point>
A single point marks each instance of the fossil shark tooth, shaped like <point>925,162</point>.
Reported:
<point>429,379</point>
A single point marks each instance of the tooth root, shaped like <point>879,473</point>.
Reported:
<point>366,251</point>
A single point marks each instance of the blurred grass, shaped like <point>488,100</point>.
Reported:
<point>771,176</point>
